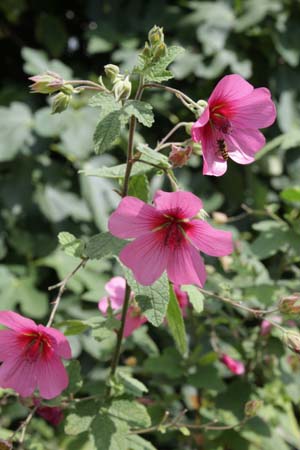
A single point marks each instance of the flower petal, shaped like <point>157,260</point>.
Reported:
<point>201,121</point>
<point>133,322</point>
<point>181,204</point>
<point>52,377</point>
<point>243,144</point>
<point>9,344</point>
<point>213,163</point>
<point>15,321</point>
<point>185,266</point>
<point>63,348</point>
<point>231,87</point>
<point>146,256</point>
<point>256,110</point>
<point>210,240</point>
<point>18,374</point>
<point>133,218</point>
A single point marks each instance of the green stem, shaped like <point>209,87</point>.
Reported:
<point>129,165</point>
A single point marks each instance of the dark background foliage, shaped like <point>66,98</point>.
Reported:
<point>41,194</point>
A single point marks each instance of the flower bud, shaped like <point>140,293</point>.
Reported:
<point>146,53</point>
<point>292,340</point>
<point>60,102</point>
<point>219,217</point>
<point>188,128</point>
<point>46,83</point>
<point>122,89</point>
<point>202,105</point>
<point>156,36</point>
<point>179,156</point>
<point>290,304</point>
<point>67,89</point>
<point>252,407</point>
<point>111,71</point>
<point>160,51</point>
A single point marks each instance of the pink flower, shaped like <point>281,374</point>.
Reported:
<point>115,289</point>
<point>228,127</point>
<point>167,237</point>
<point>266,326</point>
<point>52,414</point>
<point>31,357</point>
<point>236,367</point>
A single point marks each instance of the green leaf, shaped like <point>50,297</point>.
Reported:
<point>117,172</point>
<point>133,413</point>
<point>139,187</point>
<point>15,129</point>
<point>108,433</point>
<point>206,377</point>
<point>136,442</point>
<point>153,300</point>
<point>73,327</point>
<point>106,102</point>
<point>80,420</point>
<point>195,297</point>
<point>291,194</point>
<point>157,71</point>
<point>176,323</point>
<point>142,111</point>
<point>272,240</point>
<point>107,131</point>
<point>104,244</point>
<point>75,380</point>
<point>131,385</point>
<point>54,42</point>
<point>154,157</point>
<point>70,244</point>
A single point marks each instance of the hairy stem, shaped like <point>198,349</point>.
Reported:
<point>183,97</point>
<point>172,131</point>
<point>129,165</point>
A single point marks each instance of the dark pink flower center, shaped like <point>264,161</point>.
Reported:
<point>174,231</point>
<point>35,345</point>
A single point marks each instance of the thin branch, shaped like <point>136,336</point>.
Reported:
<point>182,97</point>
<point>257,312</point>
<point>172,131</point>
<point>62,286</point>
<point>23,426</point>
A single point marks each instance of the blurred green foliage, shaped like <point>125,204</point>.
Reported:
<point>42,194</point>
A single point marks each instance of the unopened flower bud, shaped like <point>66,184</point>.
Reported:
<point>60,102</point>
<point>219,217</point>
<point>111,71</point>
<point>146,53</point>
<point>122,89</point>
<point>179,156</point>
<point>46,83</point>
<point>202,105</point>
<point>67,89</point>
<point>156,36</point>
<point>188,128</point>
<point>252,407</point>
<point>292,340</point>
<point>290,304</point>
<point>160,51</point>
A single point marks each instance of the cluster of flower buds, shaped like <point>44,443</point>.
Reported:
<point>252,407</point>
<point>49,83</point>
<point>121,83</point>
<point>179,155</point>
<point>155,48</point>
<point>290,304</point>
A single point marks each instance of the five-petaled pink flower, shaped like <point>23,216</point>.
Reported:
<point>115,289</point>
<point>167,236</point>
<point>236,367</point>
<point>228,127</point>
<point>31,357</point>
